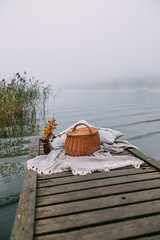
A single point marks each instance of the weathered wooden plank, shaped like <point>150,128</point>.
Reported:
<point>146,158</point>
<point>91,177</point>
<point>96,217</point>
<point>91,204</point>
<point>34,148</point>
<point>96,183</point>
<point>121,230</point>
<point>24,221</point>
<point>98,192</point>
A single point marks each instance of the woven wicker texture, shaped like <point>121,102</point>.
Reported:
<point>83,141</point>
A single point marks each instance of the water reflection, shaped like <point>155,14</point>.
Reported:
<point>7,169</point>
<point>14,146</point>
<point>12,170</point>
<point>6,200</point>
<point>11,178</point>
<point>7,214</point>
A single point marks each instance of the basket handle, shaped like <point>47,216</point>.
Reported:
<point>84,125</point>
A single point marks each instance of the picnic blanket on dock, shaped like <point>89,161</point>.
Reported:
<point>102,160</point>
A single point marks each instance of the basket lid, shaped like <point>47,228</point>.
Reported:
<point>86,131</point>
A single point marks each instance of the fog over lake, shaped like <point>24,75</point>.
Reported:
<point>86,41</point>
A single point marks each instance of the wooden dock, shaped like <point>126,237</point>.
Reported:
<point>121,204</point>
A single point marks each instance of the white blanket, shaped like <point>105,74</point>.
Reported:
<point>102,160</point>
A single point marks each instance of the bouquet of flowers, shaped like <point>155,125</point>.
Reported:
<point>48,131</point>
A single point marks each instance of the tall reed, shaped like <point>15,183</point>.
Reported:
<point>20,101</point>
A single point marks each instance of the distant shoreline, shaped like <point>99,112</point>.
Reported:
<point>129,84</point>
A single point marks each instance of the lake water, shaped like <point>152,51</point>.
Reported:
<point>136,113</point>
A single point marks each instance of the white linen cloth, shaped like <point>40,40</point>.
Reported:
<point>102,160</point>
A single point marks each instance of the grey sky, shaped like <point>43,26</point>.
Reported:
<point>72,41</point>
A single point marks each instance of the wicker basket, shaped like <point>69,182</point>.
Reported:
<point>83,141</point>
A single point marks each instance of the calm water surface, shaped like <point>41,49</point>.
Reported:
<point>136,113</point>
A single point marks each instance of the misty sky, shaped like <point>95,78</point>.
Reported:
<point>72,41</point>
